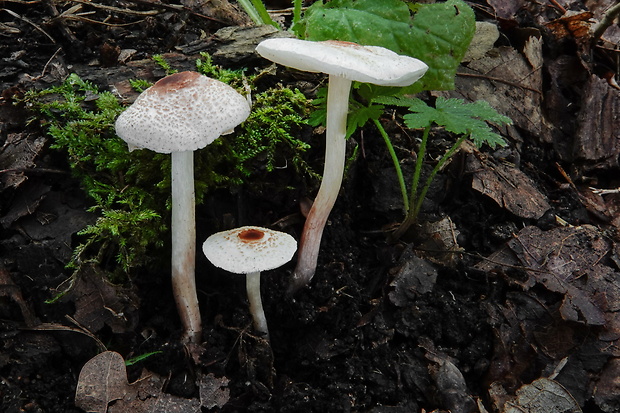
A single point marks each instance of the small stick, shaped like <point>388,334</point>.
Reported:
<point>608,18</point>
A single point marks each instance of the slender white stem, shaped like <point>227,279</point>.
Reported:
<point>183,230</point>
<point>335,145</point>
<point>252,285</point>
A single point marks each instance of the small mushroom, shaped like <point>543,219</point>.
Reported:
<point>344,62</point>
<point>179,114</point>
<point>250,250</point>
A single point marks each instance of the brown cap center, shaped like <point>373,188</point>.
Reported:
<point>250,235</point>
<point>175,82</point>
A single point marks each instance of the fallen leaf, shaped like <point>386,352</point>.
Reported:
<point>103,388</point>
<point>214,391</point>
<point>570,261</point>
<point>9,289</point>
<point>484,39</point>
<point>99,303</point>
<point>508,186</point>
<point>17,155</point>
<point>102,380</point>
<point>25,202</point>
<point>576,25</point>
<point>607,387</point>
<point>506,9</point>
<point>439,242</point>
<point>508,81</point>
<point>597,138</point>
<point>542,396</point>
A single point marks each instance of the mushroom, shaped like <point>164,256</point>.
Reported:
<point>179,114</point>
<point>249,250</point>
<point>344,62</point>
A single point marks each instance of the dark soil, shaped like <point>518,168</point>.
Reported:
<point>383,327</point>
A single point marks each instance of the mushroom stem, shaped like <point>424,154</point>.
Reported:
<point>183,230</point>
<point>252,285</point>
<point>310,242</point>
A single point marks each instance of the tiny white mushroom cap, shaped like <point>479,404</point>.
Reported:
<point>249,249</point>
<point>367,64</point>
<point>182,112</point>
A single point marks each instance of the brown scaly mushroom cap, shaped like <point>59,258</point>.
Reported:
<point>182,112</point>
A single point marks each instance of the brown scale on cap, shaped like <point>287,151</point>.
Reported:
<point>250,235</point>
<point>175,82</point>
<point>343,43</point>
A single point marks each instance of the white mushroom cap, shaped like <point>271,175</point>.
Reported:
<point>249,249</point>
<point>182,112</point>
<point>367,64</point>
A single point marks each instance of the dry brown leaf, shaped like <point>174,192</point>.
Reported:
<point>506,9</point>
<point>9,289</point>
<point>571,261</point>
<point>508,186</point>
<point>103,388</point>
<point>597,137</point>
<point>214,391</point>
<point>608,387</point>
<point>18,154</point>
<point>510,82</point>
<point>102,380</point>
<point>99,303</point>
<point>542,396</point>
<point>575,25</point>
<point>567,260</point>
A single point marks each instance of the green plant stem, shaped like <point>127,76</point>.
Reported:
<point>251,11</point>
<point>416,205</point>
<point>399,170</point>
<point>417,172</point>
<point>296,11</point>
<point>264,14</point>
<point>411,216</point>
<point>445,158</point>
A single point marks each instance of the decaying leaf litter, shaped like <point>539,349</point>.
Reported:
<point>521,317</point>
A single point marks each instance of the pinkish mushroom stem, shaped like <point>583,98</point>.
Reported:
<point>335,145</point>
<point>252,285</point>
<point>183,228</point>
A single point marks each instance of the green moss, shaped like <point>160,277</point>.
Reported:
<point>131,190</point>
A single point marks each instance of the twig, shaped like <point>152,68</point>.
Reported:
<point>68,34</point>
<point>558,5</point>
<point>608,18</point>
<point>605,191</point>
<point>497,79</point>
<point>116,9</point>
<point>48,63</point>
<point>86,20</point>
<point>12,13</point>
<point>34,170</point>
<point>23,1</point>
<point>177,8</point>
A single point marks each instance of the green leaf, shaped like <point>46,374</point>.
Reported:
<point>438,34</point>
<point>141,357</point>
<point>458,117</point>
<point>358,117</point>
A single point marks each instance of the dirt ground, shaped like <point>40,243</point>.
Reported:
<point>504,298</point>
